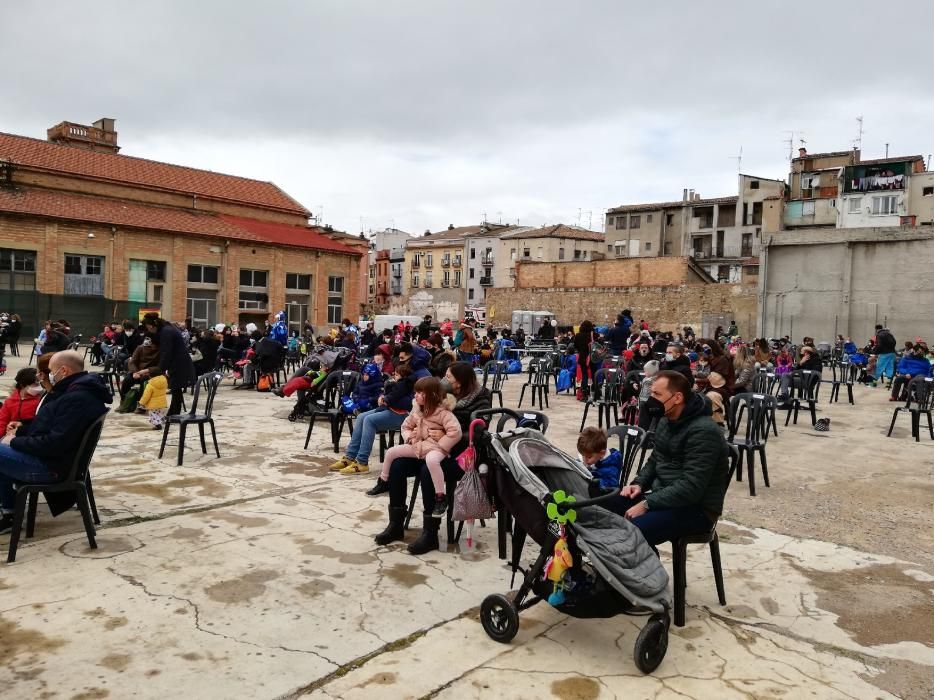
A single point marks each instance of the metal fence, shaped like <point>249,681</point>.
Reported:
<point>85,314</point>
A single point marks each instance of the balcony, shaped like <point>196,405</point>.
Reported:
<point>445,283</point>
<point>414,284</point>
<point>416,263</point>
<point>457,261</point>
<point>427,284</point>
<point>445,262</point>
<point>486,281</point>
<point>395,289</point>
<point>486,259</point>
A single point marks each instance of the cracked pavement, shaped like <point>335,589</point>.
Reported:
<point>255,574</point>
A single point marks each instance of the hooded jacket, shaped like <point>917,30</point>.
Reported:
<point>618,336</point>
<point>419,362</point>
<point>909,364</point>
<point>367,392</point>
<point>174,359</point>
<point>417,425</point>
<point>16,408</point>
<point>153,397</point>
<point>56,432</point>
<point>399,395</point>
<point>690,462</point>
<point>885,342</point>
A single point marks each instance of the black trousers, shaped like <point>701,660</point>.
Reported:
<point>175,407</point>
<point>406,467</point>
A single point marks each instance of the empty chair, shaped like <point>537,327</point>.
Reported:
<point>605,397</point>
<point>337,385</point>
<point>750,436</point>
<point>207,383</point>
<point>77,482</point>
<point>629,443</point>
<point>538,380</point>
<point>803,389</point>
<point>494,374</point>
<point>844,373</point>
<point>679,552</point>
<point>920,396</point>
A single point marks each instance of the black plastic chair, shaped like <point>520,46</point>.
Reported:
<point>337,385</point>
<point>758,409</point>
<point>78,482</point>
<point>679,556</point>
<point>538,381</point>
<point>803,389</point>
<point>209,382</point>
<point>845,374</point>
<point>387,439</point>
<point>494,374</point>
<point>607,390</point>
<point>630,439</point>
<point>920,394</point>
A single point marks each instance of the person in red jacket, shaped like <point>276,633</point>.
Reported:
<point>22,403</point>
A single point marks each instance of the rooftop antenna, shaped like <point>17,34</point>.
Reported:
<point>500,215</point>
<point>580,212</point>
<point>886,149</point>
<point>589,220</point>
<point>791,141</point>
<point>739,160</point>
<point>858,143</point>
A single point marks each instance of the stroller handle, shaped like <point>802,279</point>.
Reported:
<point>565,506</point>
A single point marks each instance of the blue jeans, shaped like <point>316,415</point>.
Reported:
<point>664,525</point>
<point>19,467</point>
<point>885,364</point>
<point>365,428</point>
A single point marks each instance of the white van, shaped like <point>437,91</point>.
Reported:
<point>382,322</point>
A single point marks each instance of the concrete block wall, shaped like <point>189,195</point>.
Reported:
<point>630,272</point>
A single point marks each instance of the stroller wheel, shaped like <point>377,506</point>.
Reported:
<point>651,644</point>
<point>293,416</point>
<point>499,618</point>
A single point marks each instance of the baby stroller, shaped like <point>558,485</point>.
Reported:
<point>614,571</point>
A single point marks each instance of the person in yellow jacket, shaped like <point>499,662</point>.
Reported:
<point>154,400</point>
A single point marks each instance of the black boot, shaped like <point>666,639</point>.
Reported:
<point>428,540</point>
<point>380,487</point>
<point>395,530</point>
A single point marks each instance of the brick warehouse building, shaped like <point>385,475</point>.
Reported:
<point>79,220</point>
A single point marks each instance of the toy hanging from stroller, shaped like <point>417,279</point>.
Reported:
<point>592,562</point>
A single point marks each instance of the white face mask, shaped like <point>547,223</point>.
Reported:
<point>669,356</point>
<point>34,390</point>
<point>53,378</point>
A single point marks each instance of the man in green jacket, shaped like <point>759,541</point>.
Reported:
<point>680,489</point>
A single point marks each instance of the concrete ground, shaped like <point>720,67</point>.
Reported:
<point>255,575</point>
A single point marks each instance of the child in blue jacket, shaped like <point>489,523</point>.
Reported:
<point>606,467</point>
<point>366,394</point>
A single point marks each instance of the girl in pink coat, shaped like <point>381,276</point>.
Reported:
<point>429,432</point>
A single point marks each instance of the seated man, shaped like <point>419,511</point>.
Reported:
<point>680,489</point>
<point>914,363</point>
<point>46,451</point>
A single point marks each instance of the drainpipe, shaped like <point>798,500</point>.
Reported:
<point>763,286</point>
<point>110,277</point>
<point>224,257</point>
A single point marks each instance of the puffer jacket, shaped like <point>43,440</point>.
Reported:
<point>417,426</point>
<point>690,462</point>
<point>885,342</point>
<point>914,366</point>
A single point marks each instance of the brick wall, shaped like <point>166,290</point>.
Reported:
<point>664,307</point>
<point>630,272</point>
<point>52,240</point>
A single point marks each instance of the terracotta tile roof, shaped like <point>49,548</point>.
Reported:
<point>459,232</point>
<point>882,161</point>
<point>101,210</point>
<point>286,234</point>
<point>558,231</point>
<point>116,168</point>
<point>655,206</point>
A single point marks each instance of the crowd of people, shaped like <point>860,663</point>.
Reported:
<point>422,382</point>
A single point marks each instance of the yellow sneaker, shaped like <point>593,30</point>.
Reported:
<point>355,468</point>
<point>340,464</point>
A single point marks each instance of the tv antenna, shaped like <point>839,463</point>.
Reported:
<point>791,141</point>
<point>739,160</point>
<point>858,142</point>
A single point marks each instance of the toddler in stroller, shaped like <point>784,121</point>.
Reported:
<point>592,562</point>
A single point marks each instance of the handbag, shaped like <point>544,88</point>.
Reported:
<point>470,498</point>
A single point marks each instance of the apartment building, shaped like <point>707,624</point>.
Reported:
<point>722,234</point>
<point>483,261</point>
<point>434,273</point>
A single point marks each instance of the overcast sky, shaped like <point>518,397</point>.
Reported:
<point>421,113</point>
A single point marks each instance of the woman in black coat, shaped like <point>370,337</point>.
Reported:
<point>174,359</point>
<point>469,397</point>
<point>582,342</point>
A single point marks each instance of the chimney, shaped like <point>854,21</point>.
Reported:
<point>802,152</point>
<point>690,195</point>
<point>100,137</point>
<point>684,195</point>
<point>697,196</point>
<point>450,227</point>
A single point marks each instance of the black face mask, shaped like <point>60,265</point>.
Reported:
<point>654,408</point>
